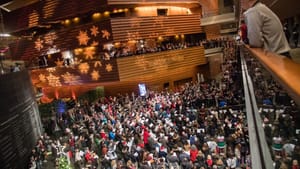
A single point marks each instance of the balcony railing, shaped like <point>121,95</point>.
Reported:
<point>272,93</point>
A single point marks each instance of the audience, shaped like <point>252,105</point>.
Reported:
<point>279,114</point>
<point>124,50</point>
<point>198,125</point>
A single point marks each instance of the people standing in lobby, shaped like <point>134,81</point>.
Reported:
<point>265,29</point>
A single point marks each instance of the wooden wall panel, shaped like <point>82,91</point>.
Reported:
<point>212,31</point>
<point>135,28</point>
<point>154,83</point>
<point>152,69</point>
<point>63,40</point>
<point>49,10</point>
<point>157,65</point>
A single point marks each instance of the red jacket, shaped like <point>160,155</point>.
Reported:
<point>193,154</point>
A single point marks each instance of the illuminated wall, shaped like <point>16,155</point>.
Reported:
<point>152,10</point>
<point>69,38</point>
<point>79,74</point>
<point>48,10</point>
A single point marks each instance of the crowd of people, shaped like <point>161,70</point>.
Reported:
<point>201,125</point>
<point>151,46</point>
<point>279,114</point>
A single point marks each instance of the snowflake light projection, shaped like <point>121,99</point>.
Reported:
<point>95,43</point>
<point>133,36</point>
<point>97,63</point>
<point>106,56</point>
<point>83,38</point>
<point>176,57</point>
<point>39,44</point>
<point>51,69</point>
<point>95,75</point>
<point>105,34</point>
<point>53,80</point>
<point>160,63</point>
<point>70,79</point>
<point>50,37</point>
<point>142,62</point>
<point>77,61</point>
<point>108,67</point>
<point>89,53</point>
<point>42,78</point>
<point>84,68</point>
<point>94,30</point>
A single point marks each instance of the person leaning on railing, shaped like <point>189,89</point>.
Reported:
<point>265,29</point>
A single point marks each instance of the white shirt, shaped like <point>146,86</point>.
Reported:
<point>265,29</point>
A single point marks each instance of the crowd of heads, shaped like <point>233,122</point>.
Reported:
<point>279,115</point>
<point>153,46</point>
<point>200,125</point>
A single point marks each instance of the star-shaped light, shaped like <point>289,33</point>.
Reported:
<point>84,68</point>
<point>94,30</point>
<point>39,44</point>
<point>83,38</point>
<point>105,34</point>
<point>108,67</point>
<point>141,62</point>
<point>97,63</point>
<point>95,75</point>
<point>89,53</point>
<point>106,56</point>
<point>70,78</point>
<point>53,80</point>
<point>95,43</point>
<point>133,35</point>
<point>42,78</point>
<point>51,69</point>
<point>77,61</point>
